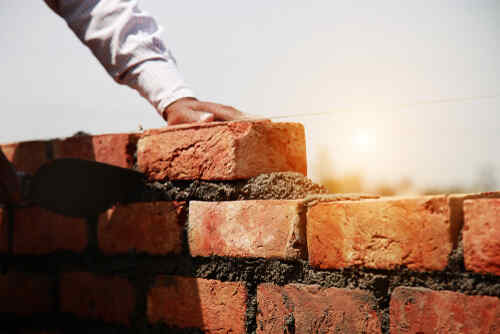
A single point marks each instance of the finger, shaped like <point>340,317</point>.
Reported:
<point>186,115</point>
<point>220,112</point>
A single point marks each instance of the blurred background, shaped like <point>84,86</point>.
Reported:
<point>411,89</point>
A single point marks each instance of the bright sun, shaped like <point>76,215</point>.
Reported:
<point>364,141</point>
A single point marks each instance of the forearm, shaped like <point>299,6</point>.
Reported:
<point>126,41</point>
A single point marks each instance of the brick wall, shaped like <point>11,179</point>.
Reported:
<point>323,264</point>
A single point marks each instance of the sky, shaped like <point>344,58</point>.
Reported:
<point>364,63</point>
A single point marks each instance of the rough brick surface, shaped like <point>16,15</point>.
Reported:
<point>25,293</point>
<point>113,149</point>
<point>481,235</point>
<point>154,228</point>
<point>268,229</point>
<point>4,238</point>
<point>26,156</point>
<point>39,231</point>
<point>456,204</point>
<point>106,298</point>
<point>382,233</point>
<point>418,310</point>
<point>214,307</point>
<point>222,150</point>
<point>302,309</point>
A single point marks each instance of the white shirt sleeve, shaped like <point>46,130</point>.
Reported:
<point>126,41</point>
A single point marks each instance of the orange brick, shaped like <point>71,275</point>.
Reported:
<point>222,150</point>
<point>39,231</point>
<point>268,229</point>
<point>25,293</point>
<point>154,228</point>
<point>298,308</point>
<point>419,310</point>
<point>4,237</point>
<point>212,306</point>
<point>26,156</point>
<point>106,298</point>
<point>481,235</point>
<point>381,233</point>
<point>113,149</point>
<point>456,204</point>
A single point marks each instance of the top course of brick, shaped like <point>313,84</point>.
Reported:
<point>222,150</point>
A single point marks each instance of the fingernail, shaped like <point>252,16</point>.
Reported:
<point>206,117</point>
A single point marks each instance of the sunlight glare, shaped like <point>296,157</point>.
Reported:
<point>364,141</point>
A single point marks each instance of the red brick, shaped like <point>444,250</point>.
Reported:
<point>222,150</point>
<point>268,229</point>
<point>26,156</point>
<point>212,306</point>
<point>481,235</point>
<point>456,202</point>
<point>113,149</point>
<point>39,231</point>
<point>419,310</point>
<point>25,293</point>
<point>106,298</point>
<point>381,233</point>
<point>154,228</point>
<point>298,308</point>
<point>4,238</point>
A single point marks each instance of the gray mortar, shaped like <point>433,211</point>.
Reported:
<point>284,185</point>
<point>142,268</point>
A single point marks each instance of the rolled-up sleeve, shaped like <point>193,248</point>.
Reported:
<point>126,41</point>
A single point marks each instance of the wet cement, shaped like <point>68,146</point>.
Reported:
<point>285,185</point>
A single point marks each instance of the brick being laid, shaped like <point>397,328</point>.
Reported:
<point>257,228</point>
<point>383,233</point>
<point>481,235</point>
<point>222,150</point>
<point>421,310</point>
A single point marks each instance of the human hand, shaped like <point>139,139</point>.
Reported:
<point>190,110</point>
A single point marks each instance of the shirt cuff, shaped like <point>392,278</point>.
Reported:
<point>159,81</point>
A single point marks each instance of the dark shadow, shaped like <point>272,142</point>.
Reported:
<point>166,301</point>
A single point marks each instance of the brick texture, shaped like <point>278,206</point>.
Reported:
<point>154,228</point>
<point>39,231</point>
<point>481,235</point>
<point>4,237</point>
<point>106,298</point>
<point>456,204</point>
<point>268,229</point>
<point>302,309</point>
<point>382,233</point>
<point>113,149</point>
<point>222,150</point>
<point>25,293</point>
<point>418,310</point>
<point>214,307</point>
<point>26,156</point>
